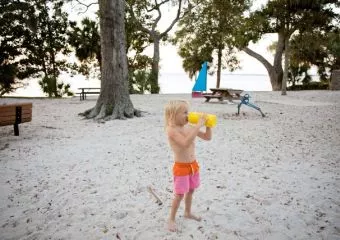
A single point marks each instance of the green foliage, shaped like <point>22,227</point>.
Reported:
<point>14,21</point>
<point>55,88</point>
<point>310,86</point>
<point>303,20</point>
<point>313,48</point>
<point>7,78</point>
<point>193,55</point>
<point>136,39</point>
<point>139,82</point>
<point>145,17</point>
<point>298,73</point>
<point>211,26</point>
<point>86,42</point>
<point>139,64</point>
<point>317,48</point>
<point>48,41</point>
<point>85,39</point>
<point>275,16</point>
<point>33,38</point>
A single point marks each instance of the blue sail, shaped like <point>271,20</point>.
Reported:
<point>201,81</point>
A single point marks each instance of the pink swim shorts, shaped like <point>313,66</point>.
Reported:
<point>186,177</point>
<point>182,184</point>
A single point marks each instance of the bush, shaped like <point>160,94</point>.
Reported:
<point>310,86</point>
<point>53,88</point>
<point>139,82</point>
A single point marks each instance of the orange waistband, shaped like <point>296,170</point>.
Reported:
<point>184,169</point>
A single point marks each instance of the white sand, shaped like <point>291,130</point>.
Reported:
<point>276,177</point>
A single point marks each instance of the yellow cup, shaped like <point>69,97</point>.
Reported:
<point>193,118</point>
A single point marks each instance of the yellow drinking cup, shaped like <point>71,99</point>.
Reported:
<point>193,118</point>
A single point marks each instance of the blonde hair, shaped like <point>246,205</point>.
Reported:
<point>171,110</point>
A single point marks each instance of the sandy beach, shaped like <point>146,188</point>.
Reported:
<point>276,177</point>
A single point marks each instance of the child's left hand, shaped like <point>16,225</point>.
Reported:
<point>202,120</point>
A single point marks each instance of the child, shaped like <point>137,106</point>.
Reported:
<point>186,170</point>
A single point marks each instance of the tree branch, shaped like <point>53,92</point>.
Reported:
<point>154,25</point>
<point>176,19</point>
<point>157,5</point>
<point>264,61</point>
<point>159,13</point>
<point>86,5</point>
<point>144,29</point>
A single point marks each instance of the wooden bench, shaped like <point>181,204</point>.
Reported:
<point>85,91</point>
<point>14,114</point>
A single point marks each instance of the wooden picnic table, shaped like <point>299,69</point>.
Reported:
<point>87,90</point>
<point>223,94</point>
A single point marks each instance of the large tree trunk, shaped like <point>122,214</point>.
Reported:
<point>114,99</point>
<point>275,71</point>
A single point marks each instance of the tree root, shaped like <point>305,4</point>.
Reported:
<point>108,112</point>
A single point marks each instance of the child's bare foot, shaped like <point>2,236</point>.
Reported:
<point>191,216</point>
<point>172,226</point>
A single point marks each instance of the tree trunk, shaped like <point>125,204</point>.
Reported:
<point>155,65</point>
<point>219,67</point>
<point>156,37</point>
<point>276,79</point>
<point>275,71</point>
<point>114,99</point>
<point>285,73</point>
<point>52,60</point>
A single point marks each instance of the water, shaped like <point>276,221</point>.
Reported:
<point>169,83</point>
<point>181,83</point>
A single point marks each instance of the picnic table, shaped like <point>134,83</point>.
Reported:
<point>223,94</point>
<point>88,90</point>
